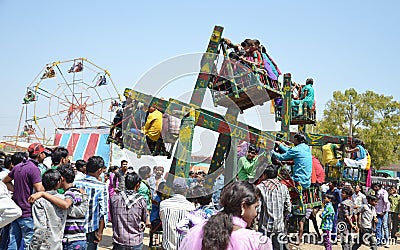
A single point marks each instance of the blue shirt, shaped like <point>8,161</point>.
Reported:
<point>327,217</point>
<point>337,197</point>
<point>302,168</point>
<point>98,199</point>
<point>155,209</point>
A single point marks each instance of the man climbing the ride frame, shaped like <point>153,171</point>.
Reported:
<point>301,155</point>
<point>306,98</point>
<point>152,129</point>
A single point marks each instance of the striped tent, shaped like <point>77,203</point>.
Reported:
<point>82,143</point>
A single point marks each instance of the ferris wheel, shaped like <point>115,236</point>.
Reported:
<point>66,95</point>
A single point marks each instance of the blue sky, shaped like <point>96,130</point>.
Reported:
<point>341,44</point>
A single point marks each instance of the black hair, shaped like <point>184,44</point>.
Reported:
<point>263,49</point>
<point>94,163</point>
<point>143,171</point>
<point>347,190</point>
<point>67,172</point>
<point>271,171</point>
<point>377,185</point>
<point>131,180</point>
<point>79,164</point>
<point>256,42</point>
<point>357,141</point>
<point>18,157</point>
<point>334,183</point>
<point>7,162</point>
<point>50,179</point>
<point>300,137</point>
<point>253,148</point>
<point>371,198</point>
<point>57,154</point>
<point>329,196</point>
<point>218,229</point>
<point>201,195</point>
<point>123,161</point>
<point>310,81</point>
<point>112,169</point>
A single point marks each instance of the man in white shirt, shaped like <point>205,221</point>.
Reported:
<point>172,210</point>
<point>358,197</point>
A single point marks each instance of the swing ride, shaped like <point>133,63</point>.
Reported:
<point>76,94</point>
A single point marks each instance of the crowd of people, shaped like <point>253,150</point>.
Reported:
<point>56,204</point>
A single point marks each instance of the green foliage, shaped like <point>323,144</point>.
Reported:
<point>375,120</point>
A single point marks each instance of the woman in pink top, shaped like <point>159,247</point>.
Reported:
<point>228,228</point>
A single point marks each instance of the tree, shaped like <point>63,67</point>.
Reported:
<point>373,118</point>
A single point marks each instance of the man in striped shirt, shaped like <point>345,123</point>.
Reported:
<point>275,206</point>
<point>172,210</point>
<point>96,216</point>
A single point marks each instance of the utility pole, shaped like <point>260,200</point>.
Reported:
<point>351,117</point>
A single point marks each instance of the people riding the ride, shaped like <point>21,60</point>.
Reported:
<point>247,164</point>
<point>78,67</point>
<point>48,73</point>
<point>358,159</point>
<point>29,97</point>
<point>358,155</point>
<point>101,81</point>
<point>330,154</point>
<point>306,98</point>
<point>152,129</point>
<point>301,155</point>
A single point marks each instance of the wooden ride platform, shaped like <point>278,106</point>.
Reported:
<point>246,97</point>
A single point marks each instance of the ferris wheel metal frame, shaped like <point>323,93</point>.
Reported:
<point>75,99</point>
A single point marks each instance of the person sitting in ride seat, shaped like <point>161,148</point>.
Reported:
<point>301,155</point>
<point>152,129</point>
<point>48,73</point>
<point>306,98</point>
<point>358,158</point>
<point>29,97</point>
<point>76,67</point>
<point>101,81</point>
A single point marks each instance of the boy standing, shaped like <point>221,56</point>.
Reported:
<point>345,218</point>
<point>128,212</point>
<point>367,217</point>
<point>49,220</point>
<point>327,217</point>
<point>96,216</point>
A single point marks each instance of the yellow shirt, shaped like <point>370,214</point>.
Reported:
<point>153,125</point>
<point>328,156</point>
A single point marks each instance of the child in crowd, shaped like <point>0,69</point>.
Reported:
<point>77,204</point>
<point>367,218</point>
<point>203,212</point>
<point>327,217</point>
<point>49,220</point>
<point>346,217</point>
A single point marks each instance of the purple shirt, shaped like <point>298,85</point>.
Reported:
<point>128,210</point>
<point>241,239</point>
<point>383,204</point>
<point>25,175</point>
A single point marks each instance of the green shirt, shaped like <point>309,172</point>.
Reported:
<point>247,169</point>
<point>394,203</point>
<point>144,190</point>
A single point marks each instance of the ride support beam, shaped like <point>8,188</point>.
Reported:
<point>287,106</point>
